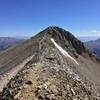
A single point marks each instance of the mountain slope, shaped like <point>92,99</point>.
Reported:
<point>61,68</point>
<point>6,42</point>
<point>94,46</point>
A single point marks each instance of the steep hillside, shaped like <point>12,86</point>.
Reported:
<point>61,68</point>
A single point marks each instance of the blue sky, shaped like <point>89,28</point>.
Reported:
<point>27,17</point>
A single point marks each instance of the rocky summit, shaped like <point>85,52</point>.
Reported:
<point>60,68</point>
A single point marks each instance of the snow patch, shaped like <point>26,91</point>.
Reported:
<point>63,51</point>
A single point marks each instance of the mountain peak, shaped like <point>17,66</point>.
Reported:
<point>63,38</point>
<point>53,27</point>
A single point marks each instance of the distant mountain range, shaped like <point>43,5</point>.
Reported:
<point>94,46</point>
<point>6,42</point>
<point>88,38</point>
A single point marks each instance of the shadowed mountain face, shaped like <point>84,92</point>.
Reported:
<point>94,46</point>
<point>6,42</point>
<point>61,68</point>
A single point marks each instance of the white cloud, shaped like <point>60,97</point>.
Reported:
<point>90,33</point>
<point>94,31</point>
